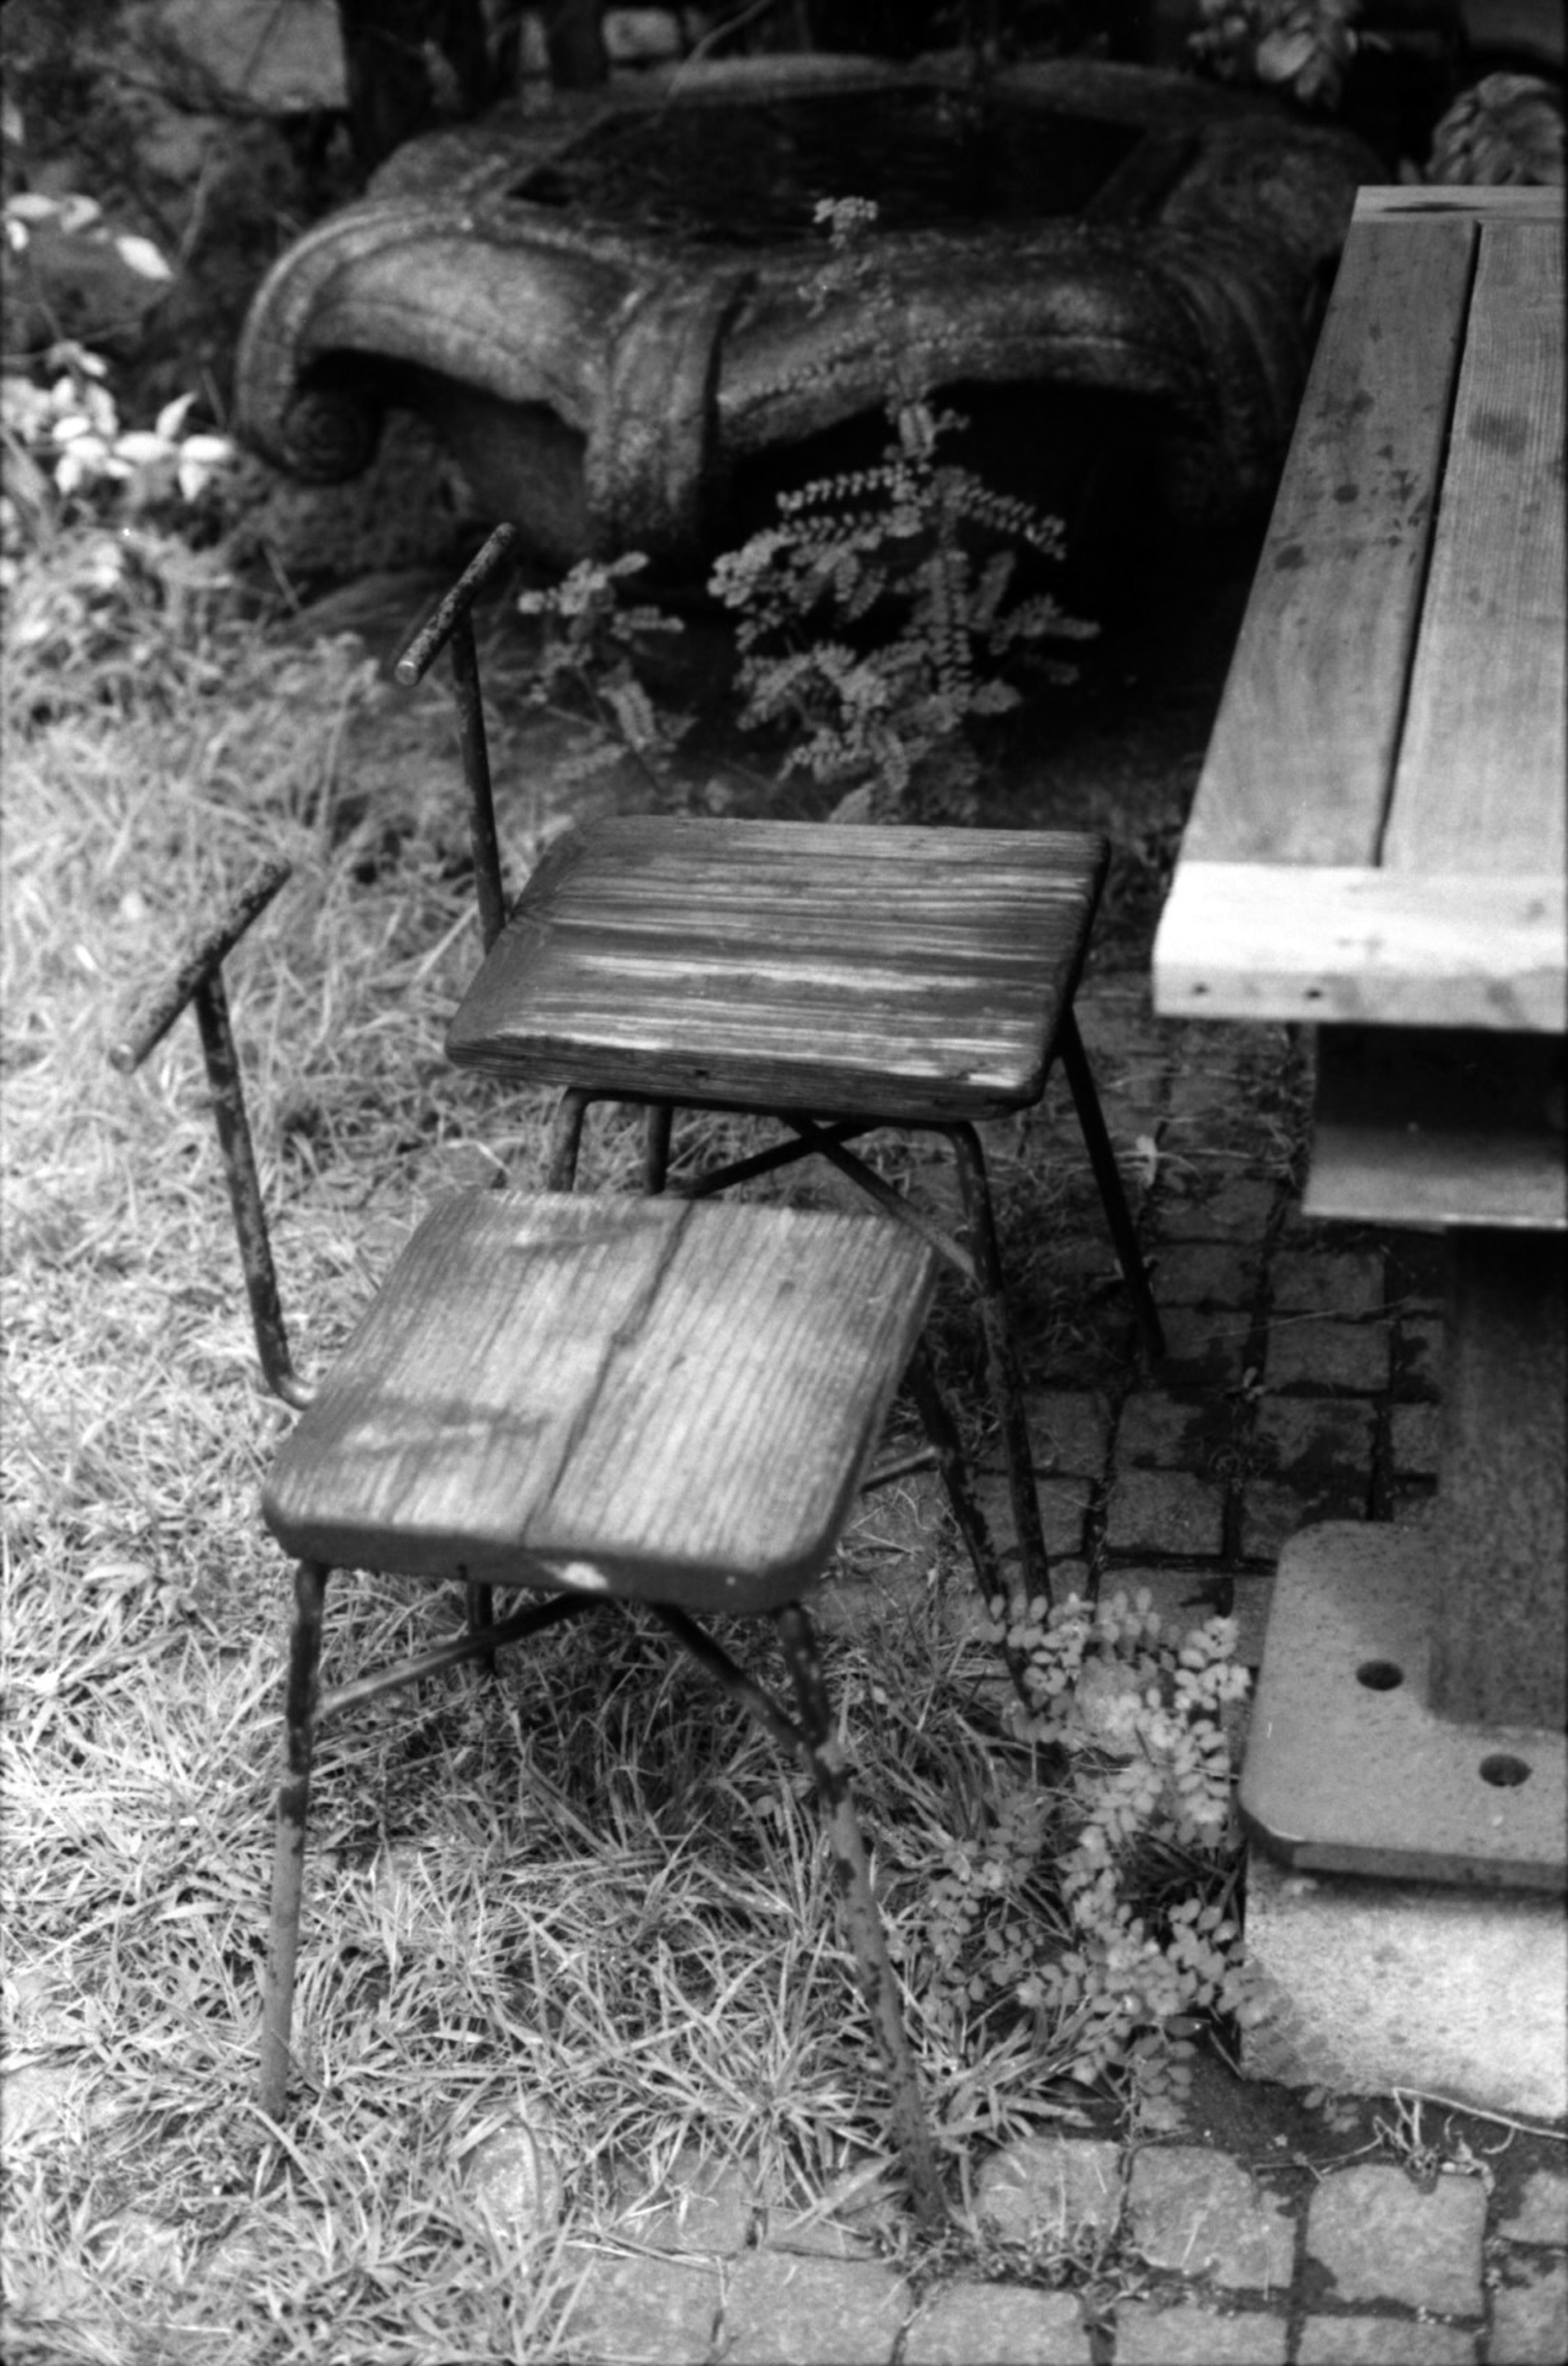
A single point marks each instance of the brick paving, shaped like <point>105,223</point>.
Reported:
<point>1301,1384</point>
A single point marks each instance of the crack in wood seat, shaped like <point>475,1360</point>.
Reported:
<point>856,971</point>
<point>637,1397</point>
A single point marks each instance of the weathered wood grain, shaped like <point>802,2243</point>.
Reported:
<point>1334,944</point>
<point>847,971</point>
<point>1301,760</point>
<point>643,1397</point>
<point>1417,205</point>
<point>1480,783</point>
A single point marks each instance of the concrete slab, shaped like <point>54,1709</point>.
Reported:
<point>1348,1770</point>
<point>1461,1993</point>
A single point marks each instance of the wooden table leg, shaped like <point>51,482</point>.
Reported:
<point>1498,1639</point>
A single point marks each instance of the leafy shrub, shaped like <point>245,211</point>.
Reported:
<point>1099,1903</point>
<point>877,616</point>
<point>587,669</point>
<point>1302,48</point>
<point>98,524</point>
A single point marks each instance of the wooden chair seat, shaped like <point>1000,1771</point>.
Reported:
<point>895,975</point>
<point>636,1397</point>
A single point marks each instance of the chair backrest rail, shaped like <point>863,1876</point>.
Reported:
<point>198,980</point>
<point>452,628</point>
<point>202,960</point>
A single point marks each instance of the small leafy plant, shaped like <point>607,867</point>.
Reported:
<point>877,617</point>
<point>99,523</point>
<point>1100,1902</point>
<point>1304,48</point>
<point>587,669</point>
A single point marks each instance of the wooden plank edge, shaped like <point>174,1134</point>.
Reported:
<point>1415,205</point>
<point>1330,944</point>
<point>1436,1183</point>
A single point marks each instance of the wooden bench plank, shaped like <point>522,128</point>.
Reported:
<point>1480,774</point>
<point>1301,760</point>
<point>1437,1129</point>
<point>1260,941</point>
<point>1417,205</point>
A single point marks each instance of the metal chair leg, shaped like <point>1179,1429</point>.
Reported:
<point>878,1985</point>
<point>565,1139</point>
<point>288,1856</point>
<point>983,1559</point>
<point>658,1123</point>
<point>1002,1362</point>
<point>480,1601</point>
<point>1103,1158</point>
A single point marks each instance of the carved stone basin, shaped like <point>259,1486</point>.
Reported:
<point>621,327</point>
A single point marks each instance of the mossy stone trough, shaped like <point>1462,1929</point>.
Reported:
<point>617,319</point>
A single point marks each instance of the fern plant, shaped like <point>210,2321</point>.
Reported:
<point>586,671</point>
<point>876,617</point>
<point>1100,1902</point>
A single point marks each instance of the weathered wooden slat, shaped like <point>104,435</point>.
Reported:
<point>638,1396</point>
<point>913,972</point>
<point>784,1371</point>
<point>1301,760</point>
<point>1480,783</point>
<point>433,1420</point>
<point>1427,1128</point>
<point>1416,207</point>
<point>1259,941</point>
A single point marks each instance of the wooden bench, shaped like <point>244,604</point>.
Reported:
<point>1377,847</point>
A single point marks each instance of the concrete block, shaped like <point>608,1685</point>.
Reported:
<point>1383,2342</point>
<point>1461,1993</point>
<point>1346,1282</point>
<point>1312,1460</point>
<point>780,2310</point>
<point>1382,2236</point>
<point>1192,2210</point>
<point>1164,1512</point>
<point>1541,2215</point>
<point>1315,1354</point>
<point>1042,2190</point>
<point>1237,1210</point>
<point>1220,1273</point>
<point>1272,1514</point>
<point>1157,1432</point>
<point>1063,1507</point>
<point>1529,2314</point>
<point>702,2205</point>
<point>1004,2324</point>
<point>1415,1437</point>
<point>1205,1347</point>
<point>1191,2334</point>
<point>643,2311</point>
<point>1418,1358</point>
<point>1067,1432</point>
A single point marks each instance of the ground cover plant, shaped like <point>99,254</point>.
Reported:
<point>587,1899</point>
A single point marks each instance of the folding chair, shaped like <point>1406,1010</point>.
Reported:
<point>598,1401</point>
<point>841,978</point>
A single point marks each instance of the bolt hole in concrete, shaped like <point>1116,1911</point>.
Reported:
<point>1379,1675</point>
<point>1504,1770</point>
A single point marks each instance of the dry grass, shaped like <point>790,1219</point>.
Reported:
<point>591,1886</point>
